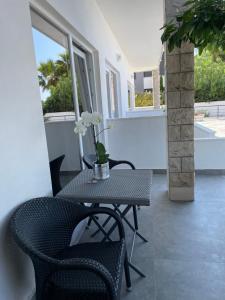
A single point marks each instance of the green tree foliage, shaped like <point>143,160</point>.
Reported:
<point>55,77</point>
<point>209,77</point>
<point>143,99</point>
<point>61,97</point>
<point>201,22</point>
<point>51,72</point>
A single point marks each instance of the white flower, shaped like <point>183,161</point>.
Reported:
<point>80,128</point>
<point>110,126</point>
<point>96,118</point>
<point>86,118</point>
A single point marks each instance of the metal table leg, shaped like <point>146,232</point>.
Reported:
<point>125,211</point>
<point>105,223</point>
<point>134,229</point>
<point>91,218</point>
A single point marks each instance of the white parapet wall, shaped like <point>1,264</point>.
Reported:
<point>210,154</point>
<point>61,140</point>
<point>203,132</point>
<point>141,140</point>
<point>146,112</point>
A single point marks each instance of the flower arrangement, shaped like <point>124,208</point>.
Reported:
<point>92,120</point>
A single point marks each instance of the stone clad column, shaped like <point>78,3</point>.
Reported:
<point>180,116</point>
<point>156,88</point>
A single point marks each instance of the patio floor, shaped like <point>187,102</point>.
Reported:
<point>185,256</point>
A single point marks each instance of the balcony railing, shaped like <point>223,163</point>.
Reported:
<point>212,111</point>
<point>59,116</point>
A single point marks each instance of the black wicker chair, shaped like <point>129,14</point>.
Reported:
<point>91,158</point>
<point>55,166</point>
<point>43,228</point>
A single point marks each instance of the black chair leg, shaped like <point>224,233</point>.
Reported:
<point>127,273</point>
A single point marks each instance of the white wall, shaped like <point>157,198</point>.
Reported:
<point>135,139</point>
<point>62,140</point>
<point>209,154</point>
<point>140,140</point>
<point>24,171</point>
<point>203,132</point>
<point>145,112</point>
<point>143,141</point>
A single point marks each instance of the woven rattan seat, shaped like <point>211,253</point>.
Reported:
<point>43,228</point>
<point>86,283</point>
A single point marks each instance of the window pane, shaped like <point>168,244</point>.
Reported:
<point>143,89</point>
<point>148,74</point>
<point>112,93</point>
<point>54,75</point>
<point>84,99</point>
<point>53,65</point>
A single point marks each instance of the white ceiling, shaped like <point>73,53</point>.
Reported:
<point>136,24</point>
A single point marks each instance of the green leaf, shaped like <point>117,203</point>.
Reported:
<point>102,156</point>
<point>202,23</point>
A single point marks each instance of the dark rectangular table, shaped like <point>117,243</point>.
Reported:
<point>131,188</point>
<point>128,187</point>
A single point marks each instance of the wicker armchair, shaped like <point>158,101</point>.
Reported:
<point>43,228</point>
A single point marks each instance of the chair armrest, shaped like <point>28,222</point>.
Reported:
<point>85,264</point>
<point>121,162</point>
<point>82,212</point>
<point>88,212</point>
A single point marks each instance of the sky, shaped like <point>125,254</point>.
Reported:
<point>45,48</point>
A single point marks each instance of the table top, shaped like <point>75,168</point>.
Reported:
<point>129,187</point>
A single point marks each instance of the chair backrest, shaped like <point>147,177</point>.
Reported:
<point>55,166</point>
<point>90,159</point>
<point>45,225</point>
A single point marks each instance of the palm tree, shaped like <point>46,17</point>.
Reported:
<point>51,72</point>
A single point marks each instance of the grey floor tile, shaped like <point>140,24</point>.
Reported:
<point>178,280</point>
<point>185,256</point>
<point>190,231</point>
<point>142,288</point>
<point>210,188</point>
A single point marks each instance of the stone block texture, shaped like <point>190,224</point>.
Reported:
<point>156,88</point>
<point>180,114</point>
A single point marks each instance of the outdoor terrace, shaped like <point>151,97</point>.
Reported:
<point>185,257</point>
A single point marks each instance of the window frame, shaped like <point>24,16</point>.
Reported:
<point>113,91</point>
<point>92,58</point>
